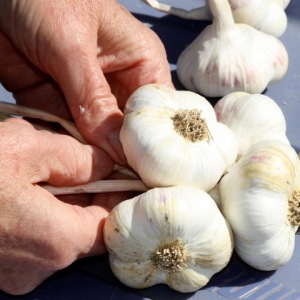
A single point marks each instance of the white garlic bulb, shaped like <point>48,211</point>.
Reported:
<point>260,198</point>
<point>265,15</point>
<point>252,118</point>
<point>172,138</point>
<point>175,236</point>
<point>228,57</point>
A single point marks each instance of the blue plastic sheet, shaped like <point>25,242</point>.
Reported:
<point>92,279</point>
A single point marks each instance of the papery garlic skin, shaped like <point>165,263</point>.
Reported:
<point>252,118</point>
<point>175,236</point>
<point>283,3</point>
<point>228,57</point>
<point>255,199</point>
<point>164,157</point>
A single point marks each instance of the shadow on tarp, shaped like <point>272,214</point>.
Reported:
<point>235,274</point>
<point>175,33</point>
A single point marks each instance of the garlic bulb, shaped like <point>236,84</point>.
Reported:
<point>175,236</point>
<point>228,57</point>
<point>265,15</point>
<point>252,118</point>
<point>260,199</point>
<point>172,138</point>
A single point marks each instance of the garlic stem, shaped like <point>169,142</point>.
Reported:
<point>100,186</point>
<point>19,110</point>
<point>222,14</point>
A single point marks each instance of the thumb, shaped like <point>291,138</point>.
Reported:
<point>93,106</point>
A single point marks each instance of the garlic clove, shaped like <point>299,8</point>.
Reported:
<point>175,236</point>
<point>252,118</point>
<point>177,138</point>
<point>228,57</point>
<point>260,199</point>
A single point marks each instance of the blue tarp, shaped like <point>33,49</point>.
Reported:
<point>92,279</point>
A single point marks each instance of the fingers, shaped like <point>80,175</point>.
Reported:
<point>45,95</point>
<point>76,49</point>
<point>53,158</point>
<point>80,229</point>
<point>16,71</point>
<point>131,62</point>
<point>74,231</point>
<point>39,233</point>
<point>93,106</point>
<point>127,63</point>
<point>29,85</point>
<point>45,235</point>
<point>67,162</point>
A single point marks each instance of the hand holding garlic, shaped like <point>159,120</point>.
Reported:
<point>180,140</point>
<point>267,169</point>
<point>79,65</point>
<point>265,15</point>
<point>41,234</point>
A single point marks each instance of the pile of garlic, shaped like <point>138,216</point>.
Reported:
<point>230,181</point>
<point>174,233</point>
<point>206,168</point>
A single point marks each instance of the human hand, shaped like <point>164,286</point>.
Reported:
<point>39,233</point>
<point>93,53</point>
